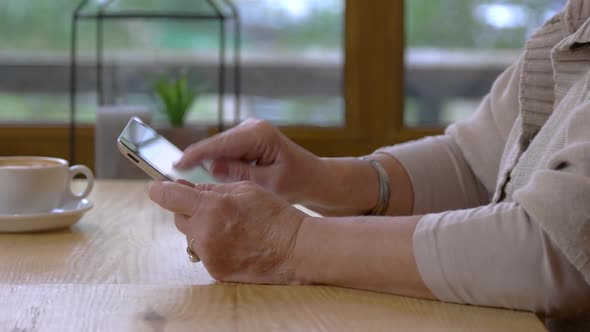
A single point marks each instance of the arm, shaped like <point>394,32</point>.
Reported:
<point>500,255</point>
<point>350,187</point>
<point>490,256</point>
<point>373,253</point>
<point>511,255</point>
<point>258,152</point>
<point>429,175</point>
<point>434,174</point>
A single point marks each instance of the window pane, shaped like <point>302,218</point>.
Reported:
<point>456,48</point>
<point>292,58</point>
<point>298,46</point>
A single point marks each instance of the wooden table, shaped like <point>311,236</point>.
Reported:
<point>123,267</point>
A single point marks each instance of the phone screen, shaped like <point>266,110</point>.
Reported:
<point>159,153</point>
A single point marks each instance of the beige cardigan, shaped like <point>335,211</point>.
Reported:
<point>514,180</point>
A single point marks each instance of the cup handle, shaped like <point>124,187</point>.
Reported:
<point>81,169</point>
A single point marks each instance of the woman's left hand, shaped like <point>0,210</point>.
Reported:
<point>241,232</point>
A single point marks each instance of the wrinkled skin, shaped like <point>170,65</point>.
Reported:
<point>242,232</point>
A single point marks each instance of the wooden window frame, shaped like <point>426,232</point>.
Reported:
<point>373,90</point>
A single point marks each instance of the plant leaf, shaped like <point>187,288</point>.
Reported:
<point>176,97</point>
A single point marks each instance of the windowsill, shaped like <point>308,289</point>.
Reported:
<point>320,58</point>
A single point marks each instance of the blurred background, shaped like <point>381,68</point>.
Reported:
<point>456,48</point>
<point>340,76</point>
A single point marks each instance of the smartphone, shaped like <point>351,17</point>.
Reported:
<point>155,155</point>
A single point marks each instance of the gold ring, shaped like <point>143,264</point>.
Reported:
<point>192,256</point>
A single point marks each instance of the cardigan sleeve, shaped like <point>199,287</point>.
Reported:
<point>495,255</point>
<point>459,169</point>
<point>509,254</point>
<point>441,178</point>
<point>532,253</point>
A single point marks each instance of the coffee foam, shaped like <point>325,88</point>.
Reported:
<point>27,162</point>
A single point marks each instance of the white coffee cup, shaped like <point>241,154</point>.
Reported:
<point>31,185</point>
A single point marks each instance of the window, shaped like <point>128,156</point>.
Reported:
<point>334,74</point>
<point>343,59</point>
<point>455,49</point>
<point>292,59</point>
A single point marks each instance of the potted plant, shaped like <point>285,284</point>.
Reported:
<point>176,98</point>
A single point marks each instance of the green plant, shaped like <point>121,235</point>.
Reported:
<point>176,98</point>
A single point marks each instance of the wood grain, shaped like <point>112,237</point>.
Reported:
<point>228,307</point>
<point>124,239</point>
<point>123,268</point>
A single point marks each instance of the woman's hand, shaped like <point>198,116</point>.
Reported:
<point>258,152</point>
<point>241,232</point>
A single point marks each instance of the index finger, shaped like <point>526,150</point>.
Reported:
<point>236,143</point>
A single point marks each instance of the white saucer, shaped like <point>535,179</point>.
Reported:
<point>64,216</point>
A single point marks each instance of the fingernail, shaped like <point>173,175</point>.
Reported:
<point>207,165</point>
<point>178,164</point>
<point>219,170</point>
<point>185,183</point>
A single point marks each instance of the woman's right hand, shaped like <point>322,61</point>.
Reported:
<point>257,151</point>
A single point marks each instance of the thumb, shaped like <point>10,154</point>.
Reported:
<point>231,170</point>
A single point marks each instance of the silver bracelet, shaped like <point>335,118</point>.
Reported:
<point>384,191</point>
